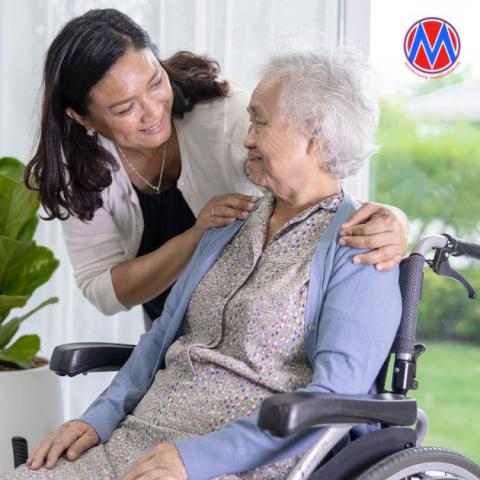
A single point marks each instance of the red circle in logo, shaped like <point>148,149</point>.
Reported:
<point>432,45</point>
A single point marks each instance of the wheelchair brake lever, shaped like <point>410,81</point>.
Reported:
<point>440,265</point>
<point>418,350</point>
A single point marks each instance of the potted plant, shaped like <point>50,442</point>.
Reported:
<point>30,396</point>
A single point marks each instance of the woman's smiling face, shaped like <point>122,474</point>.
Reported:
<point>277,158</point>
<point>132,104</point>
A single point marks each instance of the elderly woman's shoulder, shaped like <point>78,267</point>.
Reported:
<point>345,254</point>
<point>347,208</point>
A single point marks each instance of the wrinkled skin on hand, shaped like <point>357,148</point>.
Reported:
<point>381,228</point>
<point>72,438</point>
<point>161,462</point>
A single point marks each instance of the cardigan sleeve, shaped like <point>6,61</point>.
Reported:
<point>133,380</point>
<point>358,319</point>
<point>94,248</point>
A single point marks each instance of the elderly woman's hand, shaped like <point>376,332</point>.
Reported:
<point>162,461</point>
<point>379,227</point>
<point>74,437</point>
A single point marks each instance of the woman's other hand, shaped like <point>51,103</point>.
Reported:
<point>223,210</point>
<point>162,461</point>
<point>381,228</point>
<point>74,437</point>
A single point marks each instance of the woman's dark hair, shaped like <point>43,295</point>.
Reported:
<point>70,169</point>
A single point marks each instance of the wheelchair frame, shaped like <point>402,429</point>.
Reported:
<point>367,457</point>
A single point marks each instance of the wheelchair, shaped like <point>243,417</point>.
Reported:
<point>392,452</point>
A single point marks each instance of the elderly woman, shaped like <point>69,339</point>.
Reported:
<point>268,304</point>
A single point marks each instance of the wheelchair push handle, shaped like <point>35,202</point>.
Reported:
<point>411,280</point>
<point>447,243</point>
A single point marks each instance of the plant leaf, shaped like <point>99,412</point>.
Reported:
<point>12,168</point>
<point>28,230</point>
<point>10,328</point>
<point>7,302</point>
<point>49,301</point>
<point>24,266</point>
<point>17,207</point>
<point>22,351</point>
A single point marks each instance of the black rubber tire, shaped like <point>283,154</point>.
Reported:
<point>390,466</point>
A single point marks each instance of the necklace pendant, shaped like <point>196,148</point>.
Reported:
<point>153,187</point>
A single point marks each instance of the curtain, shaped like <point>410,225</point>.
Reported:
<point>239,34</point>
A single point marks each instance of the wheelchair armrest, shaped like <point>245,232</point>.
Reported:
<point>74,358</point>
<point>289,413</point>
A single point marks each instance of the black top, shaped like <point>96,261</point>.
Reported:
<point>165,216</point>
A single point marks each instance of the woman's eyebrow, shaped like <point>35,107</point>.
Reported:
<point>155,73</point>
<point>116,104</point>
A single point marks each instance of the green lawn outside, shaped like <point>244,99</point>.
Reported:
<point>449,392</point>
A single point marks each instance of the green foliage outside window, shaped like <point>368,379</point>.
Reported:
<point>431,170</point>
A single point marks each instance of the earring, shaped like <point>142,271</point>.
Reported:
<point>91,132</point>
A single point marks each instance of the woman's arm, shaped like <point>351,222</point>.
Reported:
<point>129,385</point>
<point>114,284</point>
<point>383,228</point>
<point>134,379</point>
<point>139,280</point>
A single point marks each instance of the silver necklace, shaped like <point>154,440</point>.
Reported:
<point>153,187</point>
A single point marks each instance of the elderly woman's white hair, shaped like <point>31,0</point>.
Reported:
<point>329,93</point>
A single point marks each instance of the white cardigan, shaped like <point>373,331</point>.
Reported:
<point>210,139</point>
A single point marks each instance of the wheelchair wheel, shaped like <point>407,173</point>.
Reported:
<point>423,463</point>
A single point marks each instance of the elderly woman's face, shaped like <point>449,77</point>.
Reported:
<point>132,103</point>
<point>277,157</point>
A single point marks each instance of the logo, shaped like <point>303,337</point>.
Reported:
<point>432,47</point>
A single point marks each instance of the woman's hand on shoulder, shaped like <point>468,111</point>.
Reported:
<point>379,227</point>
<point>74,438</point>
<point>223,210</point>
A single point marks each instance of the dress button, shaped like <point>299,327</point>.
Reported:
<point>311,327</point>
